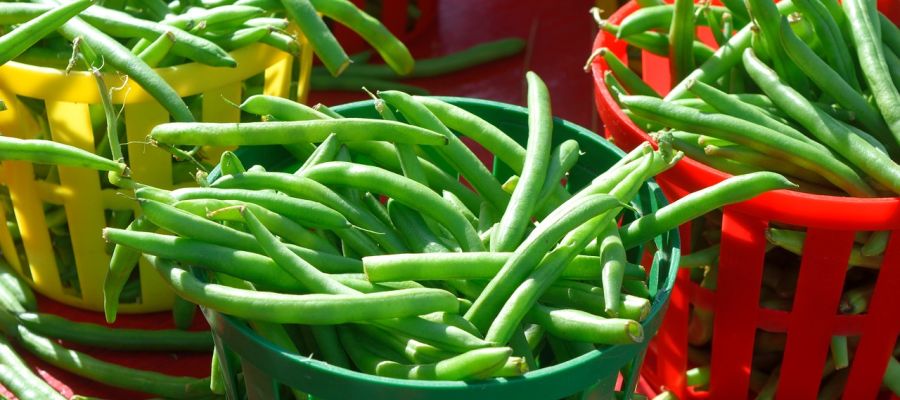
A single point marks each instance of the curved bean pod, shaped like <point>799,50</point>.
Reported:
<point>50,152</point>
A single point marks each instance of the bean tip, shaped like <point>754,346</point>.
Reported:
<point>635,331</point>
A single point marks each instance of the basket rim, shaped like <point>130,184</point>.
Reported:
<point>232,328</point>
<point>783,205</point>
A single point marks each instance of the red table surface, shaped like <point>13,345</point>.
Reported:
<point>559,36</point>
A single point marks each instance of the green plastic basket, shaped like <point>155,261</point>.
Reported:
<point>256,369</point>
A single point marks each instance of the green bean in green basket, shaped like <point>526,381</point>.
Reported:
<point>24,36</point>
<point>267,133</point>
<point>402,189</point>
<point>516,217</point>
<point>313,309</point>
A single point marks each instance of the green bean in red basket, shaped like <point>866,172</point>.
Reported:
<point>826,129</point>
<point>793,241</point>
<point>834,47</point>
<point>656,17</point>
<point>869,52</point>
<point>632,83</point>
<point>266,133</point>
<point>681,36</point>
<point>81,364</point>
<point>56,327</point>
<point>307,213</point>
<point>402,189</point>
<point>12,44</point>
<point>456,153</point>
<point>732,190</point>
<point>16,376</point>
<point>766,16</point>
<point>304,188</point>
<point>753,136</point>
<point>762,162</point>
<point>831,83</point>
<point>524,200</point>
<point>470,266</point>
<point>391,49</point>
<point>320,37</point>
<point>50,152</point>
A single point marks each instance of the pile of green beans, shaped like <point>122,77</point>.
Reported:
<point>425,278</point>
<point>37,333</point>
<point>824,81</point>
<point>805,88</point>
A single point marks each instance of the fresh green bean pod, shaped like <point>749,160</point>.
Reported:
<point>16,376</point>
<point>681,36</point>
<point>632,83</point>
<point>112,374</point>
<point>50,152</point>
<point>280,108</point>
<point>323,42</point>
<point>793,241</point>
<point>584,327</point>
<point>266,133</point>
<point>835,48</point>
<point>53,326</point>
<point>15,42</point>
<point>16,287</point>
<point>415,231</point>
<point>656,17</point>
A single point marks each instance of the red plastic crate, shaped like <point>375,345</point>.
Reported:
<point>831,223</point>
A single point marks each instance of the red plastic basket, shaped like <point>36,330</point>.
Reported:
<point>395,16</point>
<point>831,223</point>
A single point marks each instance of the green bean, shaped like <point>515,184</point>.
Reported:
<point>833,46</point>
<point>406,153</point>
<point>761,162</point>
<point>413,350</point>
<point>792,241</point>
<point>475,364</point>
<point>280,108</point>
<point>632,83</point>
<point>831,82</point>
<point>733,106</point>
<point>16,287</point>
<point>263,133</point>
<point>715,26</point>
<point>402,189</point>
<point>475,55</point>
<point>731,190</point>
<point>216,374</point>
<point>893,63</point>
<point>839,352</point>
<point>890,34</point>
<point>312,309</point>
<point>530,251</point>
<point>658,43</point>
<point>50,152</point>
<point>320,37</point>
<point>353,83</point>
<point>698,376</point>
<point>825,128</point>
<point>252,267</point>
<point>612,261</point>
<point>753,136</point>
<point>456,153</point>
<point>302,187</point>
<point>891,375</point>
<point>514,220</point>
<point>305,212</point>
<point>275,23</point>
<point>121,264</point>
<point>112,374</point>
<point>283,42</point>
<point>700,258</point>
<point>469,266</point>
<point>52,326</point>
<point>240,38</point>
<point>391,50</point>
<point>871,60</point>
<point>17,377</point>
<point>562,159</point>
<point>373,204</point>
<point>876,244</point>
<point>681,36</point>
<point>18,40</point>
<point>580,296</point>
<point>656,17</point>
<point>584,327</point>
<point>158,49</point>
<point>219,18</point>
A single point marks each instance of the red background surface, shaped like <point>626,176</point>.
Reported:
<point>559,36</point>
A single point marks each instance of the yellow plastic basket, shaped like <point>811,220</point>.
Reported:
<point>66,98</point>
